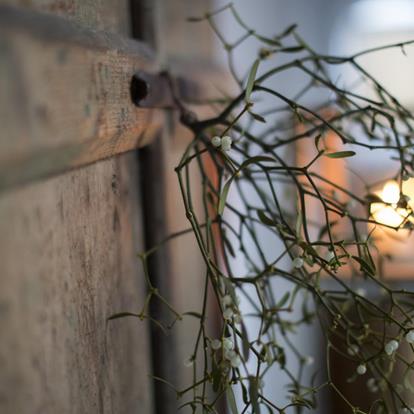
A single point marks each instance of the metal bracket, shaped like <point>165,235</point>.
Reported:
<point>161,90</point>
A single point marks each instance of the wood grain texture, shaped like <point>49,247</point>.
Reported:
<point>65,98</point>
<point>68,260</point>
<point>68,243</point>
<point>108,15</point>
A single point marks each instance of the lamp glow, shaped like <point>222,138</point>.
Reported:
<point>389,215</point>
<point>390,192</point>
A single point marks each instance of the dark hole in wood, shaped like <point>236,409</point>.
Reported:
<point>139,89</point>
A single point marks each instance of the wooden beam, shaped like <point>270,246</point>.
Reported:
<point>65,95</point>
<point>65,99</point>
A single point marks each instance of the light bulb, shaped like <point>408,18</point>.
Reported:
<point>391,192</point>
<point>389,215</point>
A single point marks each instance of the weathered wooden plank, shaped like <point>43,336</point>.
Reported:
<point>96,14</point>
<point>65,98</point>
<point>68,260</point>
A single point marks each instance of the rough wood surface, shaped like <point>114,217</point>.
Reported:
<point>108,15</point>
<point>68,260</point>
<point>68,243</point>
<point>65,98</point>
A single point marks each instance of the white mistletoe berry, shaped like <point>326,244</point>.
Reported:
<point>235,362</point>
<point>298,262</point>
<point>409,337</point>
<point>229,354</point>
<point>329,256</point>
<point>216,344</point>
<point>361,369</point>
<point>228,314</point>
<point>189,362</point>
<point>228,344</point>
<point>372,385</point>
<point>227,300</point>
<point>309,360</point>
<point>216,141</point>
<point>353,349</point>
<point>395,344</point>
<point>361,292</point>
<point>391,347</point>
<point>226,142</point>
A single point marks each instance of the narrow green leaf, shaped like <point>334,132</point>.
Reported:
<point>373,123</point>
<point>223,196</point>
<point>266,220</point>
<point>288,30</point>
<point>244,393</point>
<point>245,342</point>
<point>251,79</point>
<point>340,154</point>
<point>228,245</point>
<point>281,357</point>
<point>292,49</point>
<point>283,301</point>
<point>365,266</point>
<point>216,376</point>
<point>256,160</point>
<point>194,314</point>
<point>317,139</point>
<point>231,400</point>
<point>254,394</point>
<point>123,315</point>
<point>298,225</point>
<point>324,229</point>
<point>226,188</point>
<point>257,117</point>
<point>164,381</point>
<point>369,258</point>
<point>271,42</point>
<point>195,19</point>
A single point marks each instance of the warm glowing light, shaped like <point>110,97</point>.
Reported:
<point>408,189</point>
<point>389,215</point>
<point>390,192</point>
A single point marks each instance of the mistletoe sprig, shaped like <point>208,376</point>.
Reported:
<point>250,186</point>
